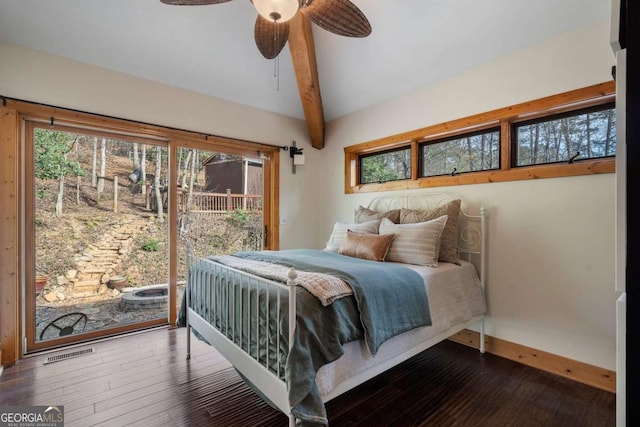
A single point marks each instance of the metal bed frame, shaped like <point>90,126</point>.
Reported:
<point>472,246</point>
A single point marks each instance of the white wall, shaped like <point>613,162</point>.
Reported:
<point>35,76</point>
<point>551,265</point>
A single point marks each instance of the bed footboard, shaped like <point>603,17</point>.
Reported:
<point>244,317</point>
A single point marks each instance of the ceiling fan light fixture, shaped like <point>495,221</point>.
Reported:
<point>277,10</point>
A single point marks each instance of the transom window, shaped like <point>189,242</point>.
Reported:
<point>477,151</point>
<point>576,135</point>
<point>568,134</point>
<point>390,165</point>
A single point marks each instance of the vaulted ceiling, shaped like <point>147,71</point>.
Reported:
<point>321,76</point>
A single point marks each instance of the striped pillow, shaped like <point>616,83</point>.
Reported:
<point>449,238</point>
<point>363,214</point>
<point>417,243</point>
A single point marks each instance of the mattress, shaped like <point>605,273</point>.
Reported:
<point>455,297</point>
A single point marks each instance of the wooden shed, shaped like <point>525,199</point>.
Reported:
<point>225,172</point>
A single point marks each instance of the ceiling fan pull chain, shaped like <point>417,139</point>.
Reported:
<point>276,63</point>
<point>278,73</point>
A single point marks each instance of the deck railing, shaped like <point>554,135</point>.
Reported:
<point>219,202</point>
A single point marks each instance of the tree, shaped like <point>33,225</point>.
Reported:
<point>400,162</point>
<point>51,162</point>
<point>143,169</point>
<point>94,163</point>
<point>186,210</point>
<point>103,166</point>
<point>136,157</point>
<point>192,178</point>
<point>185,166</point>
<point>156,184</point>
<point>610,133</point>
<point>377,171</point>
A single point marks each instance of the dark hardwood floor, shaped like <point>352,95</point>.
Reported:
<point>144,379</point>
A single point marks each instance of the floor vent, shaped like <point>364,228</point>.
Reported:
<point>65,356</point>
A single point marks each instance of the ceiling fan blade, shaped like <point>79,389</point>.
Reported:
<point>192,2</point>
<point>270,37</point>
<point>338,16</point>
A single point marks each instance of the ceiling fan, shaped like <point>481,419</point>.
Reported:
<point>271,29</point>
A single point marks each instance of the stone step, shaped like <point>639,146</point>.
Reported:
<point>93,276</point>
<point>85,294</point>
<point>86,289</point>
<point>105,252</point>
<point>97,266</point>
<point>95,282</point>
<point>106,247</point>
<point>127,230</point>
<point>102,261</point>
<point>96,269</point>
<point>103,256</point>
<point>106,258</point>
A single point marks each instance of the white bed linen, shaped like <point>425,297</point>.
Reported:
<point>455,296</point>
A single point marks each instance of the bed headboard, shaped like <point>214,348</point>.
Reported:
<point>472,229</point>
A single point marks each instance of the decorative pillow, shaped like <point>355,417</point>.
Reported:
<point>369,246</point>
<point>417,243</point>
<point>363,214</point>
<point>449,238</point>
<point>339,234</point>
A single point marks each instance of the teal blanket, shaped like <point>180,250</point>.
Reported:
<point>390,299</point>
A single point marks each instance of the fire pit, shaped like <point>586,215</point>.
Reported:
<point>146,297</point>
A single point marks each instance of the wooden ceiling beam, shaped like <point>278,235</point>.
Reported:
<point>303,54</point>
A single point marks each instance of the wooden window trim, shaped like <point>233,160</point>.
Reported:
<point>598,94</point>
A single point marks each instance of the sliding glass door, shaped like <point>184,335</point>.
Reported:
<point>97,234</point>
<point>107,209</point>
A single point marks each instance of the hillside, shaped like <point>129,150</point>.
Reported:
<point>134,241</point>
